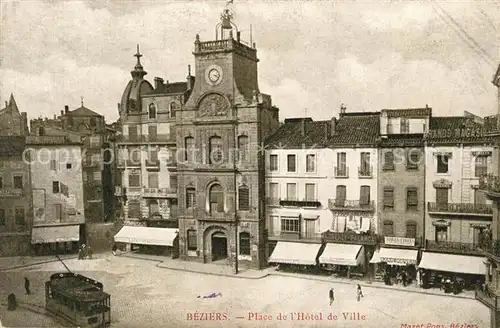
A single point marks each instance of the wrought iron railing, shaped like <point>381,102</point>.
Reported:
<point>341,171</point>
<point>450,246</point>
<point>468,208</point>
<point>365,171</point>
<point>490,183</point>
<point>271,201</point>
<point>344,204</point>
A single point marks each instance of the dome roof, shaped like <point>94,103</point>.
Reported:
<point>138,86</point>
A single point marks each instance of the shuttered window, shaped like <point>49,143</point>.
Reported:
<point>153,180</point>
<point>216,199</point>
<point>412,199</point>
<point>190,197</point>
<point>291,191</point>
<point>479,197</point>
<point>388,198</point>
<point>481,166</point>
<point>244,243</point>
<point>411,229</point>
<point>134,209</point>
<point>442,197</point>
<point>310,163</point>
<point>189,149</point>
<point>243,198</point>
<point>364,196</point>
<point>412,159</point>
<point>291,163</point>
<point>192,242</point>
<point>388,160</point>
<point>132,132</point>
<point>340,196</point>
<point>20,216</point>
<point>310,192</point>
<point>388,228</point>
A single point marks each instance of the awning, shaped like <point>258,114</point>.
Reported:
<point>294,253</point>
<point>376,257</point>
<point>146,236</point>
<point>397,256</point>
<point>453,263</point>
<point>341,254</point>
<point>55,234</point>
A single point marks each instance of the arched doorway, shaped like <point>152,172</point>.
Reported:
<point>219,246</point>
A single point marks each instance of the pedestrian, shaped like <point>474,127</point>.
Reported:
<point>27,285</point>
<point>11,302</point>
<point>332,296</point>
<point>113,250</point>
<point>80,253</point>
<point>359,293</point>
<point>89,253</point>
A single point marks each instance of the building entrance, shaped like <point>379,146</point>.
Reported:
<point>219,246</point>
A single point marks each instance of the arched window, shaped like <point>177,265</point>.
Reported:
<point>411,229</point>
<point>189,149</point>
<point>153,207</point>
<point>152,110</point>
<point>215,150</point>
<point>192,242</point>
<point>41,131</point>
<point>173,109</point>
<point>134,209</point>
<point>216,198</point>
<point>388,228</point>
<point>244,243</point>
<point>190,197</point>
<point>243,198</point>
<point>242,148</point>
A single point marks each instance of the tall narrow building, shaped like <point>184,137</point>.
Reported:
<point>220,169</point>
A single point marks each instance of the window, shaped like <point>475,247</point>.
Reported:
<point>95,159</point>
<point>190,197</point>
<point>310,192</point>
<point>216,198</point>
<point>242,148</point>
<point>68,166</point>
<point>291,163</point>
<point>134,209</point>
<point>364,196</point>
<point>132,132</point>
<point>389,127</point>
<point>481,166</point>
<point>152,132</point>
<point>189,149</point>
<point>153,207</point>
<point>41,131</point>
<point>340,196</point>
<point>19,215</point>
<point>93,122</point>
<point>388,198</point>
<point>192,242</point>
<point>97,176</point>
<point>1,182</point>
<point>152,110</point>
<point>364,168</point>
<point>273,163</point>
<point>442,198</point>
<point>53,165</point>
<point>95,142</point>
<point>135,155</point>
<point>341,165</point>
<point>2,217</point>
<point>173,182</point>
<point>153,180</point>
<point>310,163</point>
<point>442,163</point>
<point>243,198</point>
<point>134,180</point>
<point>388,228</point>
<point>55,187</point>
<point>274,191</point>
<point>479,197</point>
<point>153,154</point>
<point>57,211</point>
<point>310,226</point>
<point>244,243</point>
<point>18,182</point>
<point>412,158</point>
<point>412,199</point>
<point>291,191</point>
<point>173,109</point>
<point>388,160</point>
<point>215,150</point>
<point>441,234</point>
<point>64,189</point>
<point>405,125</point>
<point>290,224</point>
<point>411,229</point>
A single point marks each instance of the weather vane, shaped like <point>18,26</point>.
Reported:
<point>81,100</point>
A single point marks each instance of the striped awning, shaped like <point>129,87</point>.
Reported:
<point>55,234</point>
<point>341,254</point>
<point>295,253</point>
<point>398,256</point>
<point>146,236</point>
<point>453,263</point>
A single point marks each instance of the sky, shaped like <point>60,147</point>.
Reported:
<point>314,55</point>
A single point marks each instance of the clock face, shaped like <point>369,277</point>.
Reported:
<point>214,75</point>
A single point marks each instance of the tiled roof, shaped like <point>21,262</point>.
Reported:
<point>456,129</point>
<point>402,140</point>
<point>11,145</point>
<point>289,135</point>
<point>83,111</point>
<point>176,87</point>
<point>356,129</point>
<point>408,112</point>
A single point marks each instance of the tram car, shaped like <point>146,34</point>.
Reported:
<point>78,299</point>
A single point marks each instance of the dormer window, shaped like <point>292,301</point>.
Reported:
<point>152,110</point>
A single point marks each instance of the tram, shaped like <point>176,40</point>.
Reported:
<point>78,299</point>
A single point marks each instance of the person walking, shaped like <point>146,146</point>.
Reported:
<point>332,296</point>
<point>27,285</point>
<point>113,250</point>
<point>359,293</point>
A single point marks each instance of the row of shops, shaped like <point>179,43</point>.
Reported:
<point>389,264</point>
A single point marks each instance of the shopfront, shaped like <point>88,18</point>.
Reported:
<point>344,260</point>
<point>148,240</point>
<point>55,239</point>
<point>295,255</point>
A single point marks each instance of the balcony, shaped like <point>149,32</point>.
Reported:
<point>133,163</point>
<point>270,201</point>
<point>11,192</point>
<point>132,190</point>
<point>365,172</point>
<point>156,139</point>
<point>152,164</point>
<point>341,172</point>
<point>460,209</point>
<point>350,205</point>
<point>201,215</point>
<point>452,247</point>
<point>491,184</point>
<point>305,237</point>
<point>299,203</point>
<point>488,298</point>
<point>349,238</point>
<point>159,192</point>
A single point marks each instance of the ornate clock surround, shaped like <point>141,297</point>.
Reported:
<point>213,105</point>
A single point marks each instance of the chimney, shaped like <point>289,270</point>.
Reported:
<point>66,109</point>
<point>342,109</point>
<point>303,126</point>
<point>55,117</point>
<point>333,126</point>
<point>158,83</point>
<point>189,79</point>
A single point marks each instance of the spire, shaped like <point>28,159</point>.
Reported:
<point>81,100</point>
<point>138,71</point>
<point>12,103</point>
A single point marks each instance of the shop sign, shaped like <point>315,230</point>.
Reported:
<point>390,260</point>
<point>399,241</point>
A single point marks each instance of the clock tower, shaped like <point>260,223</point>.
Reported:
<point>219,163</point>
